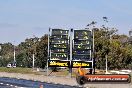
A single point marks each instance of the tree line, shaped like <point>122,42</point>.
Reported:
<point>108,43</point>
<point>24,52</point>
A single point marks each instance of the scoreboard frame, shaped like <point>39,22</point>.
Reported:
<point>70,62</point>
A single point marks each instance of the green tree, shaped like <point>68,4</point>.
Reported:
<point>42,53</point>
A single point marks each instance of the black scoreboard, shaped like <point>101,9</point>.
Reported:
<point>82,45</point>
<point>59,44</point>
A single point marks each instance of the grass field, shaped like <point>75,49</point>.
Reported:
<point>62,72</point>
<point>18,70</point>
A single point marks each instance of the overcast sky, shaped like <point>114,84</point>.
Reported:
<point>21,19</point>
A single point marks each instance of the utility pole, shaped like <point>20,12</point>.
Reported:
<point>93,35</point>
<point>106,65</point>
<point>14,54</point>
<point>106,56</point>
<point>0,47</point>
<point>70,69</point>
<point>48,51</point>
<point>0,50</point>
<point>34,50</point>
<point>93,52</point>
<point>33,60</point>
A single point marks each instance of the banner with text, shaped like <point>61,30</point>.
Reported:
<point>82,64</point>
<point>58,63</point>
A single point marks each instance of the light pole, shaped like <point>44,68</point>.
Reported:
<point>34,50</point>
<point>93,35</point>
<point>70,69</point>
<point>48,51</point>
<point>93,58</point>
<point>106,65</point>
<point>33,60</point>
<point>106,56</point>
<point>1,55</point>
<point>0,47</point>
<point>14,54</point>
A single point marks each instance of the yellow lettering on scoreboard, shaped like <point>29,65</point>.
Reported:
<point>55,63</point>
<point>78,64</point>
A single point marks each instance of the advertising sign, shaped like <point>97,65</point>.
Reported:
<point>104,78</point>
<point>109,78</point>
<point>82,64</point>
<point>58,63</point>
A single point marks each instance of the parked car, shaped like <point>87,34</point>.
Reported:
<point>11,65</point>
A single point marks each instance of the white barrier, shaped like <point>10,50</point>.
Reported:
<point>121,72</point>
